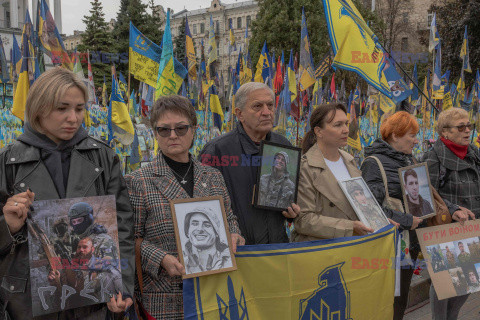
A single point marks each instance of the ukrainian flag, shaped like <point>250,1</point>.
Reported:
<point>292,83</point>
<point>342,278</point>
<point>216,108</point>
<point>464,53</point>
<point>306,71</point>
<point>23,85</point>
<point>354,45</point>
<point>232,46</point>
<point>263,66</point>
<point>190,50</point>
<point>16,59</point>
<point>169,79</point>
<point>212,44</point>
<point>144,57</point>
<point>120,118</point>
<point>50,38</point>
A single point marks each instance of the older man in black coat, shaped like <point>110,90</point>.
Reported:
<point>237,155</point>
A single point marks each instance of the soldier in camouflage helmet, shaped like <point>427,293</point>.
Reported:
<point>63,241</point>
<point>372,213</point>
<point>276,188</point>
<point>83,224</point>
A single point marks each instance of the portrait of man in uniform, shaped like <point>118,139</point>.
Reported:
<point>417,194</point>
<point>363,203</point>
<point>277,179</point>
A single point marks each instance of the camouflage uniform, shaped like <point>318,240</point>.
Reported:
<point>276,192</point>
<point>104,245</point>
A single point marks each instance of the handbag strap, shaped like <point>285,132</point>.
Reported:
<point>382,172</point>
<point>138,262</point>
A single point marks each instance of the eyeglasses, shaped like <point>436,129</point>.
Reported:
<point>180,131</point>
<point>462,127</point>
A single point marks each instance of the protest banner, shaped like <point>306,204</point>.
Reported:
<point>452,253</point>
<point>344,278</point>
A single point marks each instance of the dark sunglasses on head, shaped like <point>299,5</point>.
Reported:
<point>179,131</point>
<point>462,127</point>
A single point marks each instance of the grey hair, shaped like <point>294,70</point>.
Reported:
<point>246,89</point>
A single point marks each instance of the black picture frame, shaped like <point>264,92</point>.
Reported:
<point>268,150</point>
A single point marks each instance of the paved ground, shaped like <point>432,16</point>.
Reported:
<point>470,310</point>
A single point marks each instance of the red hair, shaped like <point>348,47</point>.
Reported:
<point>400,123</point>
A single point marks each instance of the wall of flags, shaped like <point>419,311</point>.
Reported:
<point>120,117</point>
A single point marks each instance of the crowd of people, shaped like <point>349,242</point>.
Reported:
<point>54,139</point>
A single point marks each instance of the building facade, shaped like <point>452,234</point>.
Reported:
<point>73,41</point>
<point>238,15</point>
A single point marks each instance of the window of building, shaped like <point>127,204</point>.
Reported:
<point>230,23</point>
<point>239,22</point>
<point>248,21</point>
<point>202,27</point>
<point>217,27</point>
<point>404,44</point>
<point>405,17</point>
<point>194,29</point>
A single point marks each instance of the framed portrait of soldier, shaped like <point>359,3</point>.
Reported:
<point>73,253</point>
<point>277,179</point>
<point>364,203</point>
<point>202,236</point>
<point>417,191</point>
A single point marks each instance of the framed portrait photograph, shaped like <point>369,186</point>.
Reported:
<point>364,203</point>
<point>417,193</point>
<point>9,89</point>
<point>203,239</point>
<point>277,180</point>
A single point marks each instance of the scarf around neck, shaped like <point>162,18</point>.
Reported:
<point>458,150</point>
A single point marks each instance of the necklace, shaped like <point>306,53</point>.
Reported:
<point>183,178</point>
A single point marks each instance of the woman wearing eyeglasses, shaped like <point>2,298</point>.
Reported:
<point>453,165</point>
<point>174,174</point>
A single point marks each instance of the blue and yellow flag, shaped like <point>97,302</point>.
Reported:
<point>16,59</point>
<point>190,51</point>
<point>23,85</point>
<point>343,278</point>
<point>464,54</point>
<point>169,78</point>
<point>50,38</point>
<point>232,46</point>
<point>354,45</point>
<point>104,93</point>
<point>216,108</point>
<point>212,44</point>
<point>292,82</point>
<point>434,38</point>
<point>305,70</point>
<point>121,122</point>
<point>437,88</point>
<point>263,66</point>
<point>144,57</point>
<point>122,83</point>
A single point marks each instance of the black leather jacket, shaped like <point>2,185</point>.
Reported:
<point>94,171</point>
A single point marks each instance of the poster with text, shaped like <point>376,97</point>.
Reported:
<point>452,254</point>
<point>73,252</point>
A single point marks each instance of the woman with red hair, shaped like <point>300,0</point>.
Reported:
<point>394,150</point>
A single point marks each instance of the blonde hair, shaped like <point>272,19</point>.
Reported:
<point>445,118</point>
<point>46,92</point>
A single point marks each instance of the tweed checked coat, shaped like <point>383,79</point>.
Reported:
<point>150,189</point>
<point>456,180</point>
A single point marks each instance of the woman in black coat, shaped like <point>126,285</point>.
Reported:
<point>55,159</point>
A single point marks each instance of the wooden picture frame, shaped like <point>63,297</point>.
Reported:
<point>376,218</point>
<point>213,209</point>
<point>268,152</point>
<point>421,172</point>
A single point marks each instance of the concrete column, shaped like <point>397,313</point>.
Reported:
<point>13,13</point>
<point>58,15</point>
<point>34,12</point>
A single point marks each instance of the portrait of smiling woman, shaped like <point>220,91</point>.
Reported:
<point>174,174</point>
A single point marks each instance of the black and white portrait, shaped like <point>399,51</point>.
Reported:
<point>363,202</point>
<point>202,236</point>
<point>417,194</point>
<point>277,177</point>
